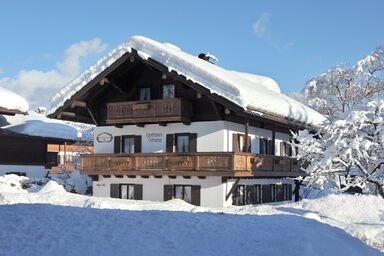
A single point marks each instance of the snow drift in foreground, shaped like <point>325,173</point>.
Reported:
<point>12,101</point>
<point>39,224</point>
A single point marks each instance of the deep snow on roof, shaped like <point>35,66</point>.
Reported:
<point>35,124</point>
<point>12,101</point>
<point>252,92</point>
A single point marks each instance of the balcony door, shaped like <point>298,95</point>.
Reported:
<point>127,144</point>
<point>181,142</point>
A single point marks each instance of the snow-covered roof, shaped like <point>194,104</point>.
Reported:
<point>252,92</point>
<point>36,124</point>
<point>12,101</point>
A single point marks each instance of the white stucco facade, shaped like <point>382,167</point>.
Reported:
<point>212,136</point>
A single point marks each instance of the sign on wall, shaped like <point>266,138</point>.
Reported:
<point>154,137</point>
<point>104,137</point>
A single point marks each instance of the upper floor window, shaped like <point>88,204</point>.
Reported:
<point>181,142</point>
<point>128,144</point>
<point>238,143</point>
<point>145,93</point>
<point>266,146</point>
<point>169,91</point>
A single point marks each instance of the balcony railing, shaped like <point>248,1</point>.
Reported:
<point>189,164</point>
<point>152,111</point>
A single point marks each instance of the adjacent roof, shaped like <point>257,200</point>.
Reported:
<point>12,103</point>
<point>254,93</point>
<point>35,124</point>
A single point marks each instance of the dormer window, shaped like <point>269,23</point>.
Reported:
<point>169,91</point>
<point>145,93</point>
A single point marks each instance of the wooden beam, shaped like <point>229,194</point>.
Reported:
<point>218,116</point>
<point>67,114</point>
<point>92,116</point>
<point>232,189</point>
<point>246,128</point>
<point>77,103</point>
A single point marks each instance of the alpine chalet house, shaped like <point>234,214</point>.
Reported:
<point>172,125</point>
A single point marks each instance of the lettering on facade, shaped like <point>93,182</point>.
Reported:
<point>104,137</point>
<point>154,137</point>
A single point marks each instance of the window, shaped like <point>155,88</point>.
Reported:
<point>169,91</point>
<point>145,93</point>
<point>182,143</point>
<point>128,144</point>
<point>127,191</point>
<point>266,146</point>
<point>238,196</point>
<point>238,143</point>
<point>183,192</point>
<point>188,193</point>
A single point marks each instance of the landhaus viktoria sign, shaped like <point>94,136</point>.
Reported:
<point>104,137</point>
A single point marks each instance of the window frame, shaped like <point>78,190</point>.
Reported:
<point>145,93</point>
<point>173,91</point>
<point>123,137</point>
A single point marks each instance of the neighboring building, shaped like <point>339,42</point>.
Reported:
<point>28,139</point>
<point>171,125</point>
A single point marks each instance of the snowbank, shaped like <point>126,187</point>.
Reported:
<point>254,92</point>
<point>360,216</point>
<point>12,101</point>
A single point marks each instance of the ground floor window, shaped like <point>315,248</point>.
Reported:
<point>238,197</point>
<point>257,194</point>
<point>188,193</point>
<point>127,191</point>
<point>183,192</point>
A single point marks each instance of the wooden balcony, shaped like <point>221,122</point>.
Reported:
<point>226,164</point>
<point>152,111</point>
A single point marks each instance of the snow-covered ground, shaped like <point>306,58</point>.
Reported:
<point>55,222</point>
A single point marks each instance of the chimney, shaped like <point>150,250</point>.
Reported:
<point>208,57</point>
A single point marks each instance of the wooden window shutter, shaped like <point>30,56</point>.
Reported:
<point>249,144</point>
<point>117,144</point>
<point>266,196</point>
<point>289,191</point>
<point>282,148</point>
<point>138,192</point>
<point>168,192</point>
<point>270,147</point>
<point>195,200</point>
<point>169,142</point>
<point>235,142</point>
<point>193,142</point>
<point>115,193</point>
<point>137,144</point>
<point>261,146</point>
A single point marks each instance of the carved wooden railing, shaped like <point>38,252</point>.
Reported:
<point>207,163</point>
<point>152,111</point>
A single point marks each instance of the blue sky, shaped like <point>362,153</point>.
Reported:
<point>290,41</point>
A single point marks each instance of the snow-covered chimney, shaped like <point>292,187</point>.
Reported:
<point>208,57</point>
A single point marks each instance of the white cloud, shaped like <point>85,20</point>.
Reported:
<point>260,26</point>
<point>38,86</point>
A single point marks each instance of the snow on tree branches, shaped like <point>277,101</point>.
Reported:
<point>353,147</point>
<point>342,89</point>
